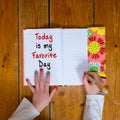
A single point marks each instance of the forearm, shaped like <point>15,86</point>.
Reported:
<point>25,111</point>
<point>93,107</point>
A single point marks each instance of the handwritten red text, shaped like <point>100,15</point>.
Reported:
<point>44,36</point>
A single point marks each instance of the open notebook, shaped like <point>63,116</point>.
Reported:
<point>66,53</point>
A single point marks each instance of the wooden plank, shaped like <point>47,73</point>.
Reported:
<point>68,103</point>
<point>117,46</point>
<point>8,57</point>
<point>32,14</point>
<point>106,14</point>
<point>70,13</point>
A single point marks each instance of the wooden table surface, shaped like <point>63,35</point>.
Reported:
<point>68,103</point>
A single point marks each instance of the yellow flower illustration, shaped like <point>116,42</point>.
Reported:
<point>94,47</point>
<point>99,30</point>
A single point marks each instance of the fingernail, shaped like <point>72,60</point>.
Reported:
<point>56,87</point>
<point>36,72</point>
<point>27,80</point>
<point>48,72</point>
<point>85,73</point>
<point>41,69</point>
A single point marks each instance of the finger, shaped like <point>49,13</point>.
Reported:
<point>30,85</point>
<point>41,78</point>
<point>93,81</point>
<point>36,80</point>
<point>85,80</point>
<point>52,93</point>
<point>47,81</point>
<point>103,80</point>
<point>84,76</point>
<point>94,75</point>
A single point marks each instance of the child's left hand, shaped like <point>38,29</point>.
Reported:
<point>41,96</point>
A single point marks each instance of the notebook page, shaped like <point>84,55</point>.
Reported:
<point>42,49</point>
<point>75,57</point>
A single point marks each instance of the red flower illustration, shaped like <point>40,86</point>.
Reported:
<point>103,66</point>
<point>96,47</point>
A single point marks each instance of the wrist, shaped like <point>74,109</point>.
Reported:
<point>38,108</point>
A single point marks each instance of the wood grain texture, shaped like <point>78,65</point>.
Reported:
<point>68,103</point>
<point>117,70</point>
<point>106,14</point>
<point>8,57</point>
<point>32,14</point>
<point>71,13</point>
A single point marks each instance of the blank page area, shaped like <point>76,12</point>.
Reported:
<point>75,57</point>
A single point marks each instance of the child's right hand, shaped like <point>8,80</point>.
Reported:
<point>91,88</point>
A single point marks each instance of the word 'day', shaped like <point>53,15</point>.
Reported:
<point>44,64</point>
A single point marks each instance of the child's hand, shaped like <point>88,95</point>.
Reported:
<point>41,96</point>
<point>91,88</point>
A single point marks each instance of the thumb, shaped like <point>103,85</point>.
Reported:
<point>30,85</point>
<point>52,93</point>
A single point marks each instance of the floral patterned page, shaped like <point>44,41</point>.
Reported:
<point>96,51</point>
